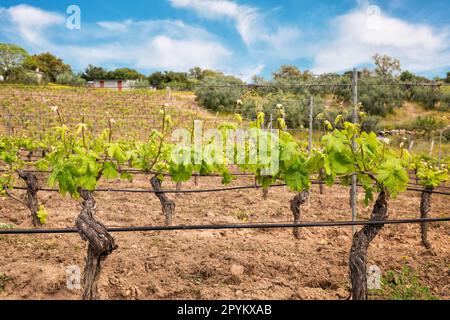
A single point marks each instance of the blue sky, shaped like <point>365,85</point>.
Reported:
<point>244,37</point>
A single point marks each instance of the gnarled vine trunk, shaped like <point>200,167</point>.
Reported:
<point>31,197</point>
<point>296,202</point>
<point>321,184</point>
<point>424,209</point>
<point>101,244</point>
<point>361,241</point>
<point>178,189</point>
<point>168,206</point>
<point>265,193</point>
<point>196,179</point>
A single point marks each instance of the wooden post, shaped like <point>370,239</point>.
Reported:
<point>410,143</point>
<point>440,147</point>
<point>9,125</point>
<point>353,194</point>
<point>431,147</point>
<point>311,110</point>
<point>169,93</point>
<point>311,107</point>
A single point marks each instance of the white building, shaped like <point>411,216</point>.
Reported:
<point>113,84</point>
<point>39,75</point>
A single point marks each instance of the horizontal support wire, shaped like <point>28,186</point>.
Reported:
<point>237,174</point>
<point>230,226</point>
<point>211,190</point>
<point>309,85</point>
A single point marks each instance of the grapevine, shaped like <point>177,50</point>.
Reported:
<point>430,174</point>
<point>77,158</point>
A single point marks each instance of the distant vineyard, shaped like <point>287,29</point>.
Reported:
<point>25,109</point>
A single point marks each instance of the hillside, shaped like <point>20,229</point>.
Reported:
<point>27,109</point>
<point>406,116</point>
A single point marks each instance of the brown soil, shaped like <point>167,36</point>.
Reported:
<point>230,264</point>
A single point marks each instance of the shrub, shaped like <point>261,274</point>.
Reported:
<point>219,93</point>
<point>404,285</point>
<point>444,104</point>
<point>428,124</point>
<point>370,123</point>
<point>68,78</point>
<point>379,97</point>
<point>141,84</point>
<point>428,96</point>
<point>446,134</point>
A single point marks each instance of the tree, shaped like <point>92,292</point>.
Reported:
<point>94,73</point>
<point>386,66</point>
<point>447,80</point>
<point>69,78</point>
<point>199,73</point>
<point>378,99</point>
<point>179,80</point>
<point>156,79</point>
<point>125,74</point>
<point>287,72</point>
<point>48,64</point>
<point>407,76</point>
<point>11,57</point>
<point>428,124</point>
<point>219,93</point>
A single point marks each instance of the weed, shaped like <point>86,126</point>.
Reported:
<point>404,285</point>
<point>241,215</point>
<point>3,280</point>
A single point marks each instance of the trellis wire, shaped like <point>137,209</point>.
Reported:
<point>231,226</point>
<point>207,190</point>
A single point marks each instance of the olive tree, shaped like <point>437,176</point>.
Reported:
<point>11,57</point>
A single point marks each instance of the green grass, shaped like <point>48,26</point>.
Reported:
<point>446,89</point>
<point>6,226</point>
<point>405,116</point>
<point>403,284</point>
<point>3,280</point>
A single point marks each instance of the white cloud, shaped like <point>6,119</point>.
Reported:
<point>256,30</point>
<point>247,73</point>
<point>114,26</point>
<point>366,31</point>
<point>31,22</point>
<point>213,8</point>
<point>149,44</point>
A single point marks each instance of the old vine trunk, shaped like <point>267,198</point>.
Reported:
<point>321,184</point>
<point>101,244</point>
<point>265,193</point>
<point>31,197</point>
<point>178,189</point>
<point>361,241</point>
<point>168,206</point>
<point>296,202</point>
<point>424,209</point>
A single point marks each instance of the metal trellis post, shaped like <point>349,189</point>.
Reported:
<point>353,193</point>
<point>311,107</point>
